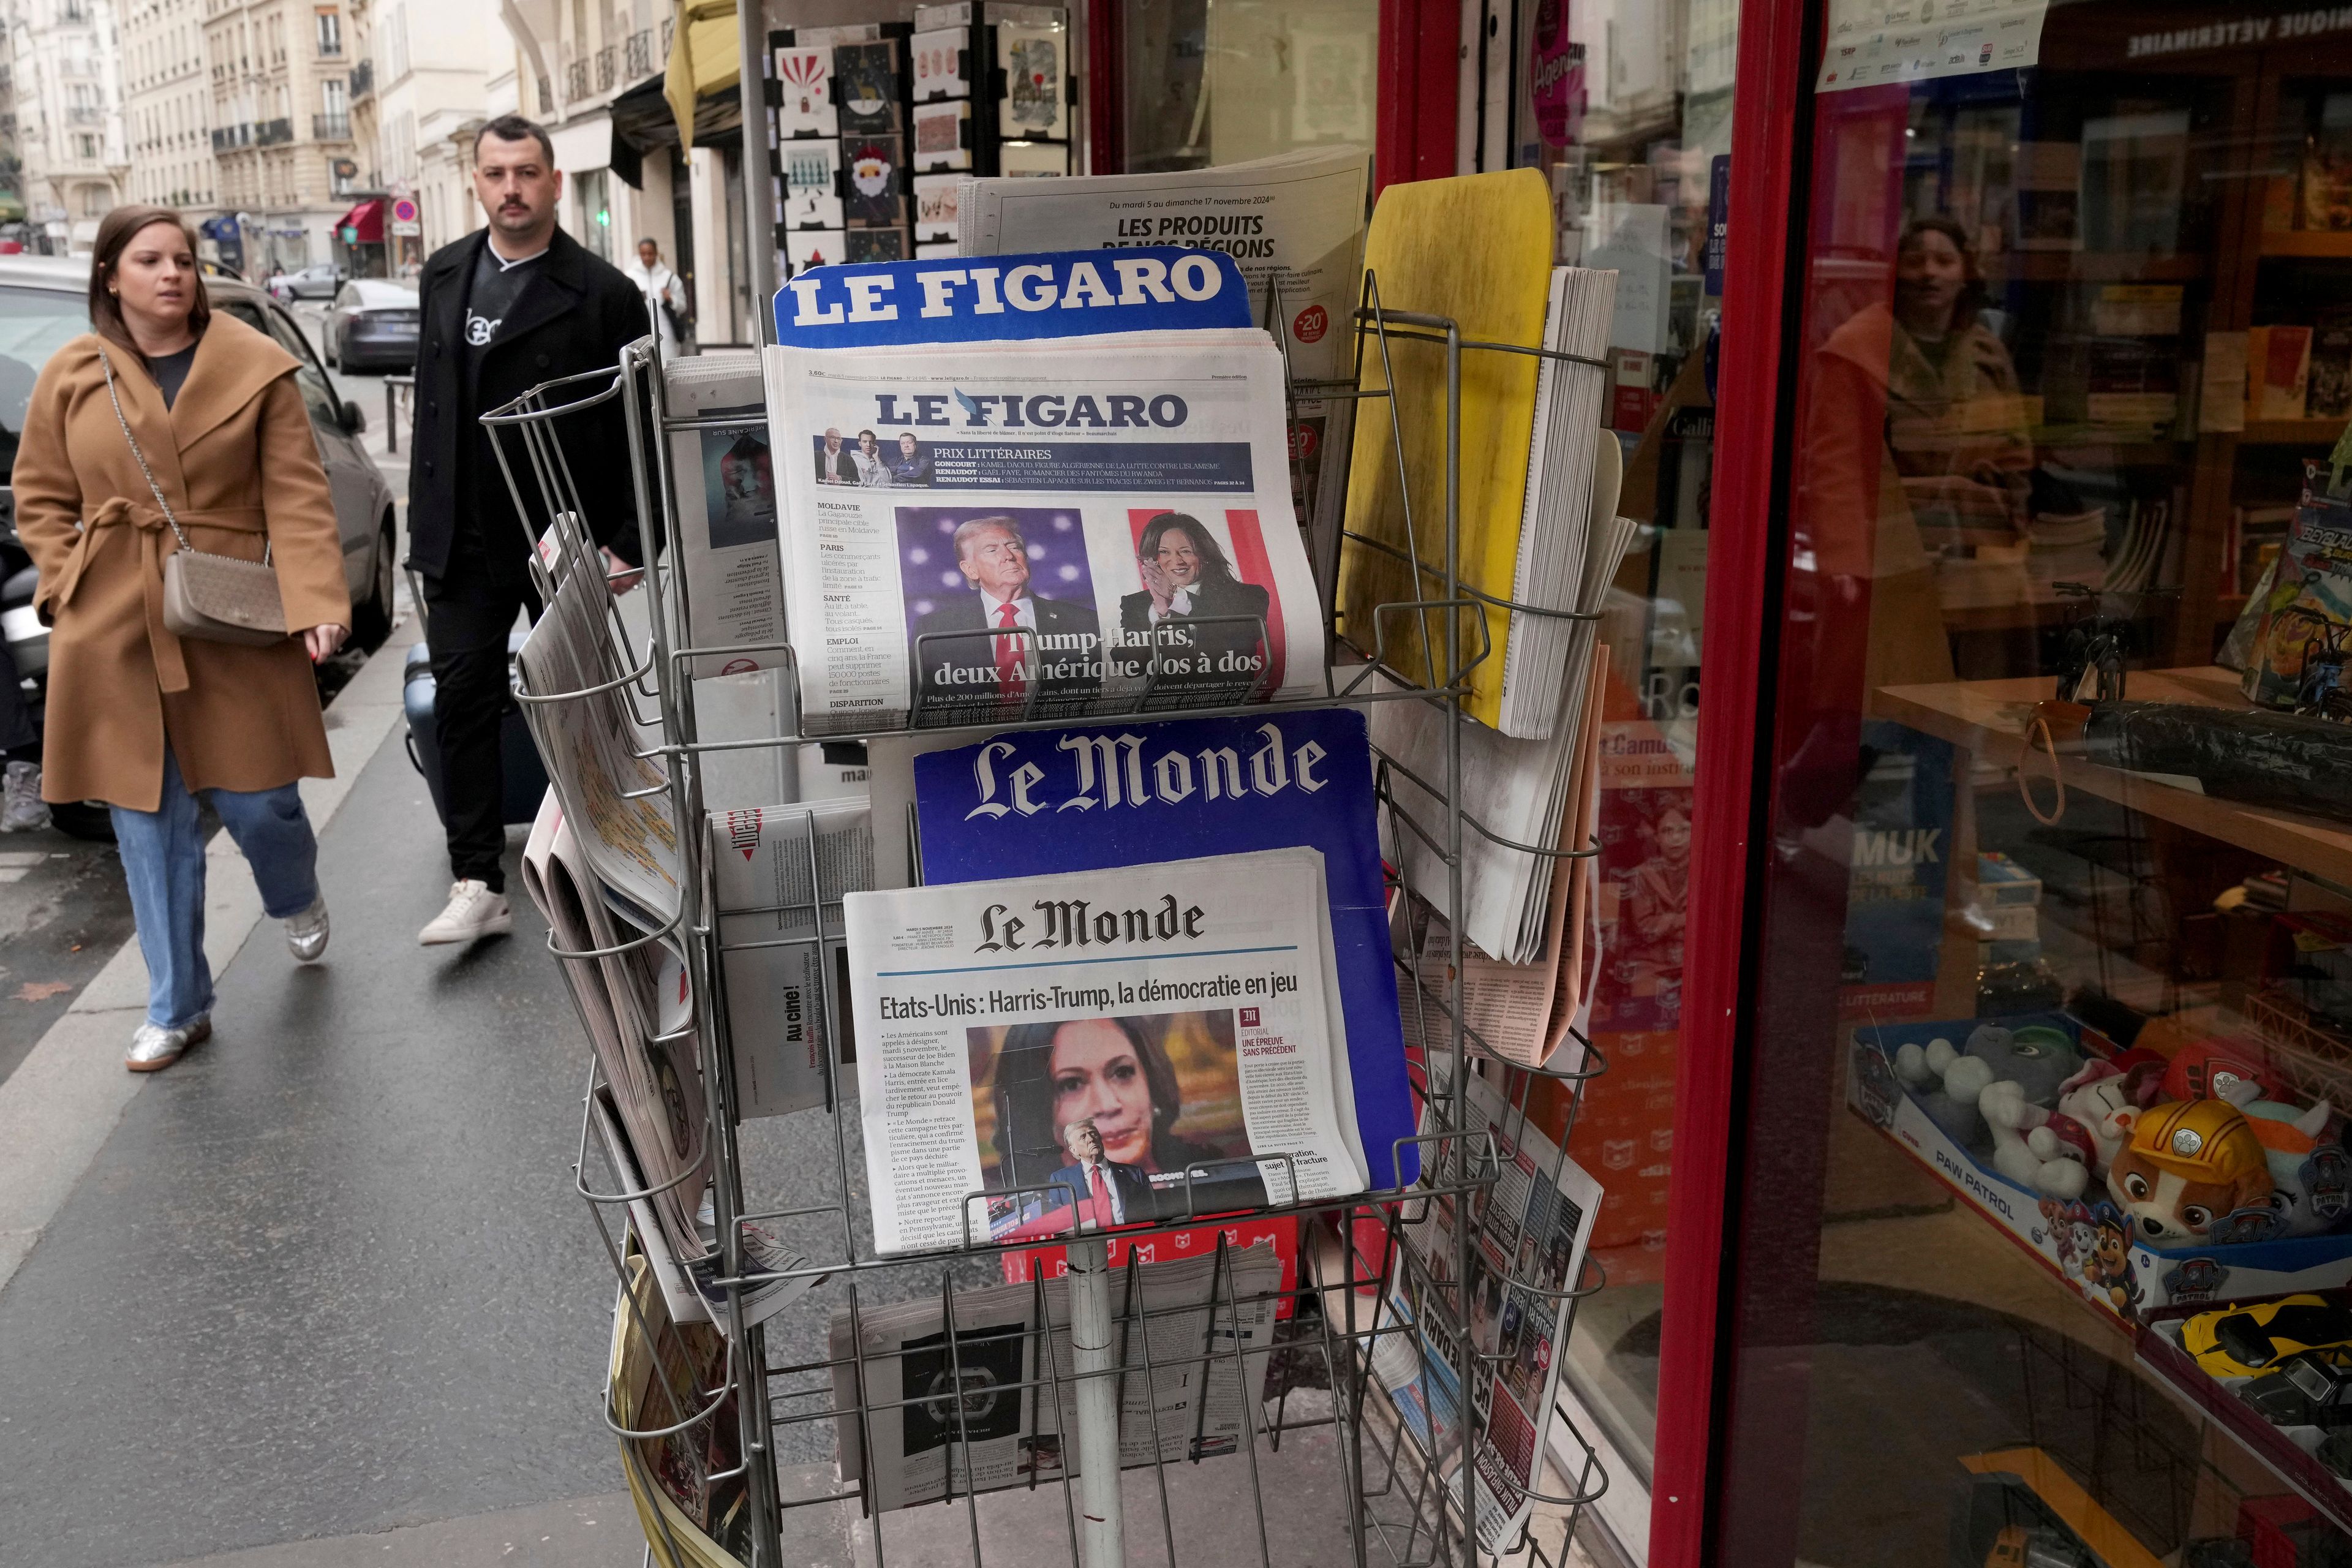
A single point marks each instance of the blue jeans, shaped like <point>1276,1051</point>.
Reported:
<point>163,861</point>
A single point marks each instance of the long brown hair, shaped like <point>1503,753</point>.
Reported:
<point>115,232</point>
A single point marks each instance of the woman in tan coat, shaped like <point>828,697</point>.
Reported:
<point>138,717</point>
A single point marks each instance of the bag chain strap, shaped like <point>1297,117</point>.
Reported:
<point>107,365</point>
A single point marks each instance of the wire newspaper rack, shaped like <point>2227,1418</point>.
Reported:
<point>1334,1383</point>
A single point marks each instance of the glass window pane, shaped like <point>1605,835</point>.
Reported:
<point>2045,1048</point>
<point>1245,78</point>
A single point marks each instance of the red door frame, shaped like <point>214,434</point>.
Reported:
<point>1743,604</point>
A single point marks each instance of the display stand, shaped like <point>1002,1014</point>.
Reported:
<point>1407,1498</point>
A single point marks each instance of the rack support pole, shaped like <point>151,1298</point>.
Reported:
<point>1093,1341</point>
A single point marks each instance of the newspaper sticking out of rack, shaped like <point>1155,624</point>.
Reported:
<point>1195,1345</point>
<point>726,482</point>
<point>1529,1230</point>
<point>975,1001</point>
<point>1004,556</point>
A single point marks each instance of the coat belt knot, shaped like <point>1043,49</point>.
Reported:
<point>155,542</point>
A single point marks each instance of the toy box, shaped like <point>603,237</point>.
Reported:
<point>2087,1242</point>
<point>2299,1455</point>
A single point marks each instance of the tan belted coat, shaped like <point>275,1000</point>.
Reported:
<point>236,457</point>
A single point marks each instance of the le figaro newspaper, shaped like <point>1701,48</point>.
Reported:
<point>976,533</point>
<point>1005,1029</point>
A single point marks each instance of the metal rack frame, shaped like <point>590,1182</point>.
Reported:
<point>1406,1507</point>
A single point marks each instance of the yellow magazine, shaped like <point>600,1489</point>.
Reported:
<point>1477,248</point>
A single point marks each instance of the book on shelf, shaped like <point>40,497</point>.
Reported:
<point>1042,1056</point>
<point>1089,797</point>
<point>2256,535</point>
<point>2330,395</point>
<point>1528,432</point>
<point>2278,372</point>
<point>2308,599</point>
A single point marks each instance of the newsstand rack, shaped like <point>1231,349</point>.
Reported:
<point>1403,1507</point>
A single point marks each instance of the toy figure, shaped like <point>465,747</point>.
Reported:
<point>2189,1166</point>
<point>1949,1083</point>
<point>2311,1179</point>
<point>2061,1153</point>
<point>2107,1273</point>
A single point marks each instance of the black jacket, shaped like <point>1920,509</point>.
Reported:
<point>575,315</point>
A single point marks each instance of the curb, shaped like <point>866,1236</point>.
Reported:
<point>63,1101</point>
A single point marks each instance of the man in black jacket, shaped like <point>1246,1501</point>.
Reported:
<point>503,310</point>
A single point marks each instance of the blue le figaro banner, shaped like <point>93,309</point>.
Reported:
<point>989,299</point>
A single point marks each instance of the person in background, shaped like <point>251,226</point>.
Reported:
<point>165,400</point>
<point>665,294</point>
<point>507,307</point>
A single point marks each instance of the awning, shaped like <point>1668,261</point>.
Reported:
<point>364,225</point>
<point>705,57</point>
<point>643,122</point>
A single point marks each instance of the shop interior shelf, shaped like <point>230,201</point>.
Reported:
<point>2318,433</point>
<point>1990,717</point>
<point>2160,1355</point>
<point>2319,242</point>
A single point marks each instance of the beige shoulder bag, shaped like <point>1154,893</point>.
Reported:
<point>217,598</point>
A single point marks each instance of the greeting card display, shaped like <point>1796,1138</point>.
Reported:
<point>941,63</point>
<point>811,185</point>
<point>865,88</point>
<point>813,247</point>
<point>877,245</point>
<point>942,136</point>
<point>873,198</point>
<point>1034,61</point>
<point>935,206</point>
<point>805,85</point>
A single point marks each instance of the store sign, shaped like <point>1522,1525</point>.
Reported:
<point>2239,33</point>
<point>1058,294</point>
<point>1873,43</point>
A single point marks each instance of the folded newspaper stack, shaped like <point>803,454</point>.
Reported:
<point>1012,1033</point>
<point>988,1410</point>
<point>688,1486</point>
<point>1040,528</point>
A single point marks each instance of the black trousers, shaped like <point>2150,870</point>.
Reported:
<point>468,612</point>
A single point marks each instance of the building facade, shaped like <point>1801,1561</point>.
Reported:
<point>66,86</point>
<point>167,106</point>
<point>435,68</point>
<point>281,131</point>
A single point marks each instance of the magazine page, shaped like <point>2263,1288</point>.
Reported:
<point>767,867</point>
<point>1295,220</point>
<point>1090,525</point>
<point>725,481</point>
<point>1185,1394</point>
<point>1132,793</point>
<point>1004,1026</point>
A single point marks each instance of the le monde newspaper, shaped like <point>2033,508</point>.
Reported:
<point>1009,1017</point>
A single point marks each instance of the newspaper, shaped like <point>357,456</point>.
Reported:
<point>592,745</point>
<point>1016,1037</point>
<point>725,482</point>
<point>1184,1393</point>
<point>1529,1231</point>
<point>688,1486</point>
<point>1083,525</point>
<point>766,866</point>
<point>1293,221</point>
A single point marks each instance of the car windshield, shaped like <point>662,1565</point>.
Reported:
<point>34,324</point>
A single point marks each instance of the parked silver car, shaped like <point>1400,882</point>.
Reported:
<point>371,325</point>
<point>318,281</point>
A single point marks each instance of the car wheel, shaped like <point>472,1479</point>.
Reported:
<point>373,616</point>
<point>85,820</point>
<point>327,341</point>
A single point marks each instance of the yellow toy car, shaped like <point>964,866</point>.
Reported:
<point>2239,1342</point>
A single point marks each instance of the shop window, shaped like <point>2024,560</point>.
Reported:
<point>594,189</point>
<point>2049,1054</point>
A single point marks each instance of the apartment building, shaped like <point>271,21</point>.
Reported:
<point>279,72</point>
<point>65,81</point>
<point>442,68</point>
<point>167,105</point>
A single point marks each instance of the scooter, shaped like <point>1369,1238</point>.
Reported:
<point>26,642</point>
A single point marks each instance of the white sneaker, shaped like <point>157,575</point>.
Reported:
<point>474,912</point>
<point>22,810</point>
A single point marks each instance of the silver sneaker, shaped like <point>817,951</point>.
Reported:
<point>306,934</point>
<point>474,912</point>
<point>22,809</point>
<point>153,1048</point>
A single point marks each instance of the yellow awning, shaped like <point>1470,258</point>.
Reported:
<point>705,56</point>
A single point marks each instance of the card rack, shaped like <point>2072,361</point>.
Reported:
<point>1321,1393</point>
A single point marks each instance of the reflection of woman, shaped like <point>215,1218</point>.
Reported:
<point>871,468</point>
<point>1658,895</point>
<point>1050,1075</point>
<point>912,468</point>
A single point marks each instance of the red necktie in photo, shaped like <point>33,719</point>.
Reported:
<point>1102,1194</point>
<point>1009,679</point>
